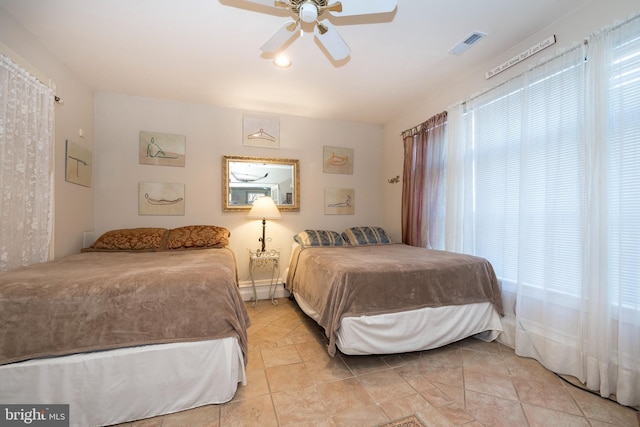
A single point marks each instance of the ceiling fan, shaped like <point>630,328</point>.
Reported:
<point>310,11</point>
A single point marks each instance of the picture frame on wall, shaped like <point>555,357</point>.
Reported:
<point>337,160</point>
<point>158,198</point>
<point>339,201</point>
<point>162,149</point>
<point>260,132</point>
<point>78,164</point>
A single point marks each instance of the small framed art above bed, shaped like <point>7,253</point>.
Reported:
<point>146,312</point>
<point>373,296</point>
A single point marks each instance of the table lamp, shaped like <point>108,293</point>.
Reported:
<point>264,208</point>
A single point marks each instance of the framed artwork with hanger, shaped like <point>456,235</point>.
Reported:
<point>260,132</point>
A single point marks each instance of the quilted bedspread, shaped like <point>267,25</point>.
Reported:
<point>103,300</point>
<point>352,281</point>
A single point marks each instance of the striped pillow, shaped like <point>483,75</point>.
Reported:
<point>365,236</point>
<point>319,238</point>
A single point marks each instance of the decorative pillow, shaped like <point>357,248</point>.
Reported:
<point>319,238</point>
<point>130,239</point>
<point>365,236</point>
<point>198,236</point>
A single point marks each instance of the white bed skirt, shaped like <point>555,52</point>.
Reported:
<point>110,387</point>
<point>413,330</point>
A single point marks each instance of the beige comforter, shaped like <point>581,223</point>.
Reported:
<point>98,301</point>
<point>353,281</point>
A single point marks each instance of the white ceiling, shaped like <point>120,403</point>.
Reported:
<point>207,51</point>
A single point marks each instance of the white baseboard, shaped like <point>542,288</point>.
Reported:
<point>262,290</point>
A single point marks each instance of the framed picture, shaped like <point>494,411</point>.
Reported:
<point>339,201</point>
<point>161,149</point>
<point>260,132</point>
<point>337,160</point>
<point>78,169</point>
<point>157,198</point>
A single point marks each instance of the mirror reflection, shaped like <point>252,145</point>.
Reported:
<point>246,178</point>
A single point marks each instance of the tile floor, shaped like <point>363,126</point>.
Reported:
<point>293,382</point>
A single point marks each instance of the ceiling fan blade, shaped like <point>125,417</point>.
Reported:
<point>280,37</point>
<point>362,7</point>
<point>274,3</point>
<point>331,40</point>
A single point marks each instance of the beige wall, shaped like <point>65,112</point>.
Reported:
<point>73,203</point>
<point>570,30</point>
<point>212,132</point>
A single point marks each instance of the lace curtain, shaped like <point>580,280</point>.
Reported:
<point>26,172</point>
<point>546,170</point>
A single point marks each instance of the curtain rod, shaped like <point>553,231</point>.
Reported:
<point>26,65</point>
<point>412,131</point>
<point>564,51</point>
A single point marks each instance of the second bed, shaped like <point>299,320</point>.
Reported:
<point>381,298</point>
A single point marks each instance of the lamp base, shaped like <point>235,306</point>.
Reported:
<point>262,239</point>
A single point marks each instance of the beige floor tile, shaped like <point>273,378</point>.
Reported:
<point>449,357</point>
<point>437,398</point>
<point>329,370</point>
<point>313,351</point>
<point>360,416</point>
<point>204,416</point>
<point>527,367</point>
<point>288,377</point>
<point>252,412</point>
<point>456,414</point>
<point>344,395</point>
<point>278,356</point>
<point>543,417</point>
<point>415,379</point>
<point>456,394</point>
<point>257,385</point>
<point>292,381</point>
<point>596,408</point>
<point>489,362</point>
<point>482,346</point>
<point>254,360</point>
<point>360,365</point>
<point>494,411</point>
<point>385,385</point>
<point>301,407</point>
<point>449,376</point>
<point>545,394</point>
<point>489,381</point>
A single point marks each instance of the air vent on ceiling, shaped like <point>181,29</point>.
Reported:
<point>469,41</point>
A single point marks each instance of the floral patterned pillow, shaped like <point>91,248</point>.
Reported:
<point>198,236</point>
<point>130,239</point>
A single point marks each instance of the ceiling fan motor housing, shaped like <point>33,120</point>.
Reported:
<point>308,12</point>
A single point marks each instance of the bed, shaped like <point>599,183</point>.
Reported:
<point>145,322</point>
<point>373,296</point>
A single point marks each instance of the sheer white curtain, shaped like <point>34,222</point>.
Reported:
<point>612,280</point>
<point>550,194</point>
<point>26,178</point>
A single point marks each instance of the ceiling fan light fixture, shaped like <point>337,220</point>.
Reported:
<point>282,61</point>
<point>308,12</point>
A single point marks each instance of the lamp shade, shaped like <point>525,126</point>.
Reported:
<point>264,208</point>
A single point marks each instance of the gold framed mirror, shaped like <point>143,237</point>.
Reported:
<point>245,178</point>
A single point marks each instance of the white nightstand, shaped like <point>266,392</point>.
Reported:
<point>265,261</point>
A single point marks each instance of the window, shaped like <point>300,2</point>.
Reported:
<point>624,174</point>
<point>528,198</point>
